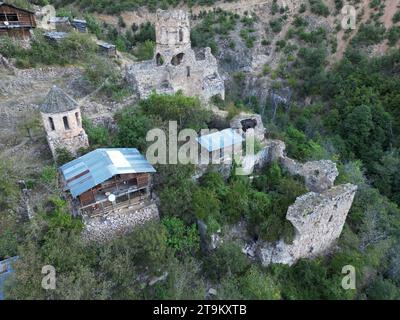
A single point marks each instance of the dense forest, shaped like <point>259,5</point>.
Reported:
<point>353,119</point>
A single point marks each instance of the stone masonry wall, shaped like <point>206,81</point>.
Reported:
<point>318,219</point>
<point>175,65</point>
<point>121,222</point>
<point>72,139</point>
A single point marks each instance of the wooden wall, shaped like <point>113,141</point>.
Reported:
<point>24,21</point>
<point>141,179</point>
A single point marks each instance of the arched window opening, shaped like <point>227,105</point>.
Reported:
<point>159,59</point>
<point>180,35</point>
<point>187,71</point>
<point>66,124</point>
<point>176,60</point>
<point>51,122</point>
<point>78,120</point>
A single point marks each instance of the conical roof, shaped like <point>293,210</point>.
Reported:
<point>58,101</point>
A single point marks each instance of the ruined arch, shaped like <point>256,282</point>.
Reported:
<point>177,59</point>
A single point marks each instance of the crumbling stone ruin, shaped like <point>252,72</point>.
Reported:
<point>318,216</point>
<point>318,219</point>
<point>62,121</point>
<point>175,65</point>
<point>248,125</point>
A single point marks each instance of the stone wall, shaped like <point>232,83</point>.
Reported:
<point>318,219</point>
<point>118,223</point>
<point>318,216</point>
<point>72,139</point>
<point>249,124</point>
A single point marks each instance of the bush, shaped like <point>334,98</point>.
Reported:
<point>227,259</point>
<point>394,35</point>
<point>206,205</point>
<point>276,25</point>
<point>396,17</point>
<point>63,156</point>
<point>236,201</point>
<point>187,111</point>
<point>133,126</point>
<point>145,50</point>
<point>319,7</point>
<point>183,239</point>
<point>98,135</point>
<point>369,34</point>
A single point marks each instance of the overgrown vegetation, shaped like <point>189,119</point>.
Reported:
<point>352,117</point>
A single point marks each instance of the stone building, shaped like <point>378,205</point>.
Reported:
<point>175,65</point>
<point>62,121</point>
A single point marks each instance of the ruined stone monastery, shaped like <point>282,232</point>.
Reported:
<point>176,66</point>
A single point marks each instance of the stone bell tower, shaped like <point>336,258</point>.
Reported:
<point>172,34</point>
<point>62,121</point>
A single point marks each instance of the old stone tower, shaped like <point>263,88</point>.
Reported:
<point>176,66</point>
<point>62,121</point>
<point>172,35</point>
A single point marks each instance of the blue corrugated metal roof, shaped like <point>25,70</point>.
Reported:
<point>7,266</point>
<point>220,139</point>
<point>106,45</point>
<point>100,165</point>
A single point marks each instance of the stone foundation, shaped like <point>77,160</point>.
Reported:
<point>118,223</point>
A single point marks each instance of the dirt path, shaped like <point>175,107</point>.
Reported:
<point>390,10</point>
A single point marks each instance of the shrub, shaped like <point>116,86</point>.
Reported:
<point>181,238</point>
<point>98,135</point>
<point>276,25</point>
<point>145,50</point>
<point>319,7</point>
<point>206,204</point>
<point>396,17</point>
<point>394,35</point>
<point>226,260</point>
